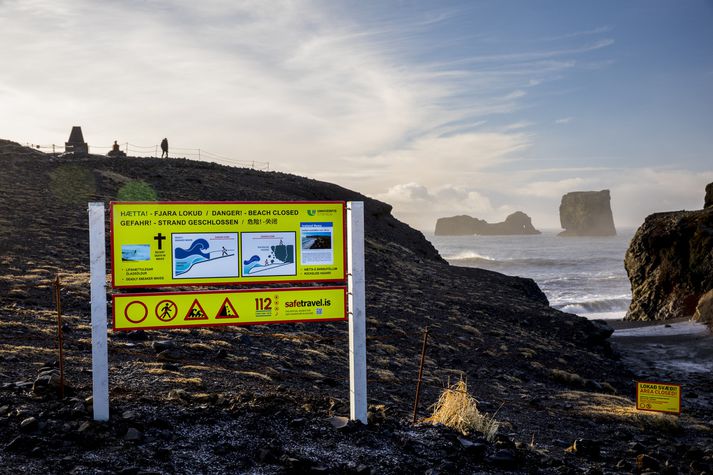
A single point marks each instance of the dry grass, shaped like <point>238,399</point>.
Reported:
<point>608,407</point>
<point>457,409</point>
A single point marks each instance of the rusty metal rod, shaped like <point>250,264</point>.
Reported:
<point>420,374</point>
<point>60,337</point>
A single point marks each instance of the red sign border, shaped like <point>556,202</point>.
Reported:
<point>234,323</point>
<point>206,284</point>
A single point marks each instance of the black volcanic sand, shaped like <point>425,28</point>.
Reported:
<point>266,399</point>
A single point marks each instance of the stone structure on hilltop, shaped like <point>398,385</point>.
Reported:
<point>463,225</point>
<point>76,143</point>
<point>670,265</point>
<point>709,196</point>
<point>587,213</point>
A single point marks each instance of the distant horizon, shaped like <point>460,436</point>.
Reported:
<point>459,107</point>
<point>228,161</point>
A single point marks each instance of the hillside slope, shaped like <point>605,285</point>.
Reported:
<point>256,399</point>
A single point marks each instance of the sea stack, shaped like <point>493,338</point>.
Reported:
<point>670,265</point>
<point>463,225</point>
<point>587,213</point>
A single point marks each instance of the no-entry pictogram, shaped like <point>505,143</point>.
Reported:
<point>136,312</point>
<point>196,312</point>
<point>166,310</point>
<point>227,310</point>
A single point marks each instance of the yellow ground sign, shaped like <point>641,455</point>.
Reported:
<point>228,307</point>
<point>157,244</point>
<point>658,397</point>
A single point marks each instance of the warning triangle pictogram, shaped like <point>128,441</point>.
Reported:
<point>196,312</point>
<point>227,310</point>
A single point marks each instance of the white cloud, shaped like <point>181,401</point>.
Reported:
<point>418,205</point>
<point>552,189</point>
<point>306,86</point>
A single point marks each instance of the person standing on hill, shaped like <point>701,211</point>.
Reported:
<point>164,147</point>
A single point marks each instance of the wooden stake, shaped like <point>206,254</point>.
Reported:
<point>60,338</point>
<point>420,374</point>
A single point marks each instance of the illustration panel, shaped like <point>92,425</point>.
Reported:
<point>268,254</point>
<point>316,241</point>
<point>204,255</point>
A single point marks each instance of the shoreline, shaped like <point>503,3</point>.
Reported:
<point>621,324</point>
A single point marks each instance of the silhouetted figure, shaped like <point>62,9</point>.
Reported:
<point>164,147</point>
<point>115,151</point>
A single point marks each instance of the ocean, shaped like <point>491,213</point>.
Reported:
<point>581,275</point>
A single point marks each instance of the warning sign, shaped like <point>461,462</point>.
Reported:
<point>196,312</point>
<point>213,243</point>
<point>228,307</point>
<point>658,397</point>
<point>227,310</point>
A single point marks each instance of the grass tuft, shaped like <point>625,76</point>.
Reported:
<point>457,409</point>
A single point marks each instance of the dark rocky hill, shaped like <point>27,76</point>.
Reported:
<point>670,264</point>
<point>259,399</point>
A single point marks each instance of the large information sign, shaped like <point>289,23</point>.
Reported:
<point>208,243</point>
<point>163,310</point>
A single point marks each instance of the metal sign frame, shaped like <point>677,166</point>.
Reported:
<point>356,293</point>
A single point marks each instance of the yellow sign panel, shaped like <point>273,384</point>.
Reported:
<point>212,243</point>
<point>658,397</point>
<point>228,307</point>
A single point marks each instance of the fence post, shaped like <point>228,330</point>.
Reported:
<point>97,268</point>
<point>357,311</point>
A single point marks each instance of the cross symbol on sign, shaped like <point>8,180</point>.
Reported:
<point>159,237</point>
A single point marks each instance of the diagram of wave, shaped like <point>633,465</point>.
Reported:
<point>185,259</point>
<point>255,265</point>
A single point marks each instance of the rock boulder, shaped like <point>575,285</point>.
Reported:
<point>463,225</point>
<point>587,213</point>
<point>670,264</point>
<point>709,196</point>
<point>704,309</point>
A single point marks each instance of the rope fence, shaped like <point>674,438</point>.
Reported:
<point>154,151</point>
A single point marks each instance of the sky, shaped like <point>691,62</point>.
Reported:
<point>438,108</point>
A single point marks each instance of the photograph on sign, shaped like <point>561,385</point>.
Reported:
<point>136,252</point>
<point>205,255</point>
<point>228,307</point>
<point>316,243</point>
<point>268,254</point>
<point>156,244</point>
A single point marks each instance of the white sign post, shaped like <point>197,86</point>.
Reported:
<point>97,269</point>
<point>357,311</point>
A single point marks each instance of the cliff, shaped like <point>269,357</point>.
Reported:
<point>516,223</point>
<point>587,213</point>
<point>670,264</point>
